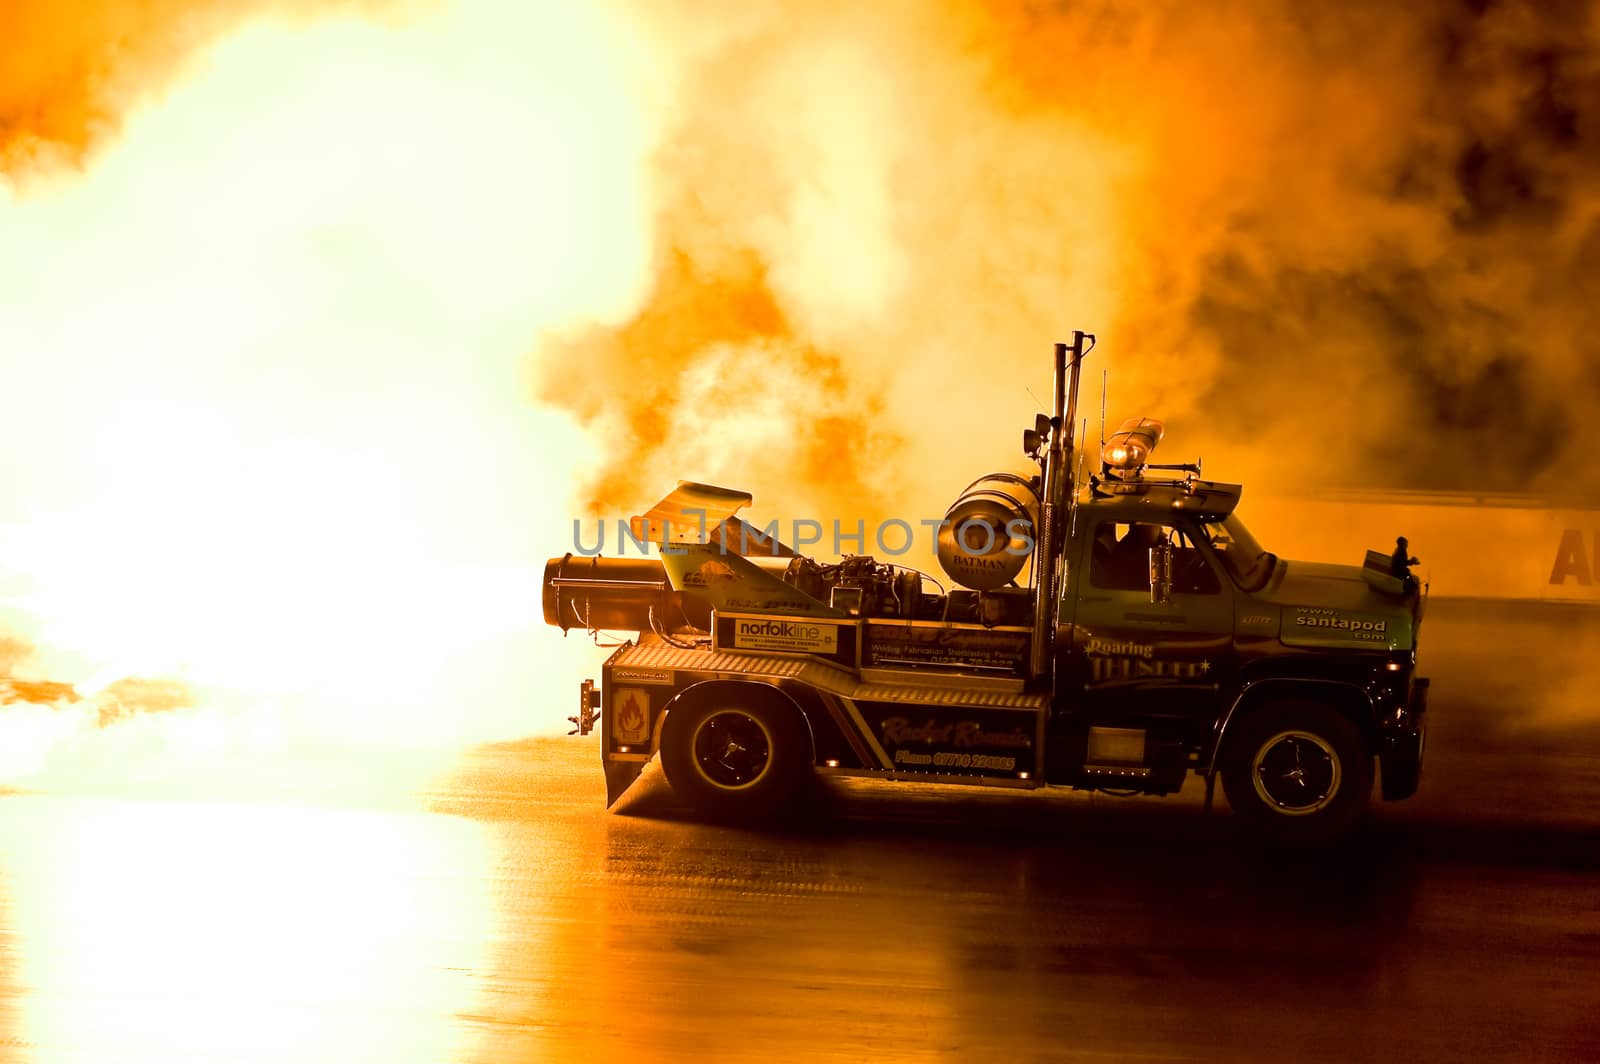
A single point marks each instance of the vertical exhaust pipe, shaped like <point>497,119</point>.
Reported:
<point>1057,495</point>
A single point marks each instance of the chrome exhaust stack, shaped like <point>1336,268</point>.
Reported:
<point>1057,494</point>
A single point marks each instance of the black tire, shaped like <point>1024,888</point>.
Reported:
<point>1297,771</point>
<point>736,754</point>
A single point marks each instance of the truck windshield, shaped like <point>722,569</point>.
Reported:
<point>1239,551</point>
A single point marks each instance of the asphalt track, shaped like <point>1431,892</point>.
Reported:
<point>503,915</point>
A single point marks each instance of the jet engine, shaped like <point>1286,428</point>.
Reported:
<point>989,531</point>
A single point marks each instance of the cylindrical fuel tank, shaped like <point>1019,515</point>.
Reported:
<point>989,530</point>
<point>612,593</point>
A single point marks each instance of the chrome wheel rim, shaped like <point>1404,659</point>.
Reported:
<point>732,750</point>
<point>1296,773</point>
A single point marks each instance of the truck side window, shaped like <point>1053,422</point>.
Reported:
<point>1120,560</point>
<point>1121,556</point>
<point>1192,574</point>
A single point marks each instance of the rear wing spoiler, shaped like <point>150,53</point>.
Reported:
<point>704,513</point>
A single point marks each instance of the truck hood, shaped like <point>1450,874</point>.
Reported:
<point>1334,606</point>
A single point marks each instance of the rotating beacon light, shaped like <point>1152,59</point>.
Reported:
<point>1130,447</point>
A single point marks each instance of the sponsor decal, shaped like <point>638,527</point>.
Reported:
<point>960,733</point>
<point>1120,670</point>
<point>780,604</point>
<point>895,643</point>
<point>779,634</point>
<point>1367,629</point>
<point>951,759</point>
<point>657,676</point>
<point>1254,619</point>
<point>710,573</point>
<point>969,741</point>
<point>1122,661</point>
<point>1098,645</point>
<point>974,561</point>
<point>630,715</point>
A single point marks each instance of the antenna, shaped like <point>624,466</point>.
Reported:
<point>1072,504</point>
<point>1102,412</point>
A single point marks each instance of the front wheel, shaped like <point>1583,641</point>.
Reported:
<point>735,757</point>
<point>1298,771</point>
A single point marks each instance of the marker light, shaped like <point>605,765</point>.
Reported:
<point>1130,446</point>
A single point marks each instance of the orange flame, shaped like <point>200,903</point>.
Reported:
<point>264,357</point>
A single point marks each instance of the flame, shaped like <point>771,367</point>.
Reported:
<point>264,361</point>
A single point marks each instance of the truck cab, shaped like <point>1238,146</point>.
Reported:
<point>1173,665</point>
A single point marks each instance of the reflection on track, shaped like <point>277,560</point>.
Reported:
<point>175,930</point>
<point>910,923</point>
<point>519,921</point>
<point>930,928</point>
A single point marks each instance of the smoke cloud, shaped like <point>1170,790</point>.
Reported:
<point>1356,241</point>
<point>71,72</point>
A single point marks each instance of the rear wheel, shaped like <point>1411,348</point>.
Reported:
<point>1297,771</point>
<point>735,754</point>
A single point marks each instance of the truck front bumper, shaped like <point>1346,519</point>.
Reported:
<point>1402,739</point>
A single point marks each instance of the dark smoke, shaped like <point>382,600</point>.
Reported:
<point>1355,243</point>
<point>1479,349</point>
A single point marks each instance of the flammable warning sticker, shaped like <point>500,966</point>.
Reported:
<point>772,633</point>
<point>630,715</point>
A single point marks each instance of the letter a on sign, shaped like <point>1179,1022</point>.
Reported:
<point>1571,560</point>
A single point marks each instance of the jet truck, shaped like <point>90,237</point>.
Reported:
<point>1109,625</point>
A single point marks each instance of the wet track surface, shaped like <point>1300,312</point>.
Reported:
<point>504,916</point>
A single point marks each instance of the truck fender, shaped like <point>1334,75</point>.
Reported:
<point>1341,693</point>
<point>772,693</point>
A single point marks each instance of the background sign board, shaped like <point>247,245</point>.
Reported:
<point>1470,546</point>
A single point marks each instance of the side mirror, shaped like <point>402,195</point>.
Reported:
<point>1161,572</point>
